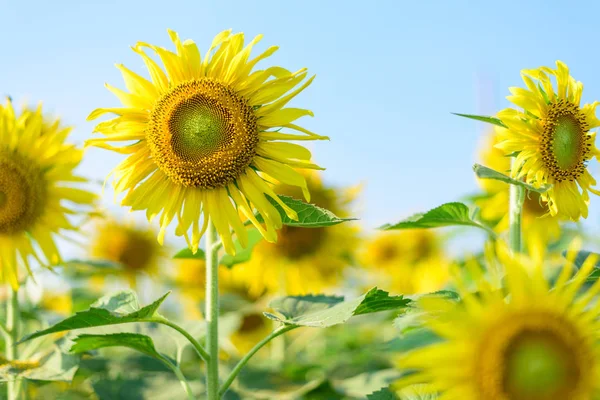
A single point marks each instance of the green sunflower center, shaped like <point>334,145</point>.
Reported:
<point>202,134</point>
<point>535,355</point>
<point>565,143</point>
<point>22,194</point>
<point>539,366</point>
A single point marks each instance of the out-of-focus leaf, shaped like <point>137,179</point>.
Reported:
<point>187,253</point>
<point>449,214</point>
<point>483,172</point>
<point>361,385</point>
<point>382,394</point>
<point>324,311</point>
<point>242,254</point>
<point>118,308</point>
<point>54,364</point>
<point>309,215</point>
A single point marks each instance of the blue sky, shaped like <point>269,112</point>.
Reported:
<point>389,73</point>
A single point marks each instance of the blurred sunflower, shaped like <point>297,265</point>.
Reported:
<point>534,342</point>
<point>304,259</point>
<point>254,328</point>
<point>60,303</point>
<point>408,262</point>
<point>190,278</point>
<point>207,136</point>
<point>540,227</point>
<point>134,249</point>
<point>552,139</point>
<point>37,197</point>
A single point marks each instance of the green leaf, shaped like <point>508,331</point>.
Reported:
<point>309,215</point>
<point>118,308</point>
<point>448,214</point>
<point>382,394</point>
<point>242,254</point>
<point>483,172</point>
<point>324,311</point>
<point>187,253</point>
<point>489,120</point>
<point>135,341</point>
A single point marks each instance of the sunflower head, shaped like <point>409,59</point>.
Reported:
<point>206,136</point>
<point>304,259</point>
<point>134,248</point>
<point>36,189</point>
<point>534,342</point>
<point>408,262</point>
<point>552,139</point>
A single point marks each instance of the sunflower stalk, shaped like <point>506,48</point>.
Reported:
<point>515,217</point>
<point>212,311</point>
<point>12,326</point>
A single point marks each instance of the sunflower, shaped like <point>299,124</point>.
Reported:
<point>206,137</point>
<point>133,248</point>
<point>535,342</point>
<point>60,303</point>
<point>254,328</point>
<point>408,262</point>
<point>304,259</point>
<point>36,190</point>
<point>539,226</point>
<point>552,140</point>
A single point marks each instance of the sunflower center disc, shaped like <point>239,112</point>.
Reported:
<point>202,134</point>
<point>22,194</point>
<point>539,366</point>
<point>565,144</point>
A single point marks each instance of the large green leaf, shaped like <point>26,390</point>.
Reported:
<point>135,341</point>
<point>309,215</point>
<point>483,172</point>
<point>382,394</point>
<point>242,254</point>
<point>118,308</point>
<point>448,214</point>
<point>482,118</point>
<point>324,311</point>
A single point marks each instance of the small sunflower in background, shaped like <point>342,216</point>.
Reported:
<point>58,302</point>
<point>254,328</point>
<point>38,197</point>
<point>304,260</point>
<point>407,262</point>
<point>204,137</point>
<point>539,226</point>
<point>133,248</point>
<point>552,140</point>
<point>533,342</point>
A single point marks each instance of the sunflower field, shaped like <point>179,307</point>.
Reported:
<point>188,240</point>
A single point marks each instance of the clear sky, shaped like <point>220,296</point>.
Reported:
<point>388,74</point>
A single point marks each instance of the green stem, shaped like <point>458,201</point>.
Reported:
<point>212,312</point>
<point>199,349</point>
<point>12,326</point>
<point>515,211</point>
<point>236,370</point>
<point>180,376</point>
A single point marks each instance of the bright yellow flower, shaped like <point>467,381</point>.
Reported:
<point>36,190</point>
<point>552,139</point>
<point>534,342</point>
<point>134,248</point>
<point>407,262</point>
<point>303,260</point>
<point>539,226</point>
<point>205,138</point>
